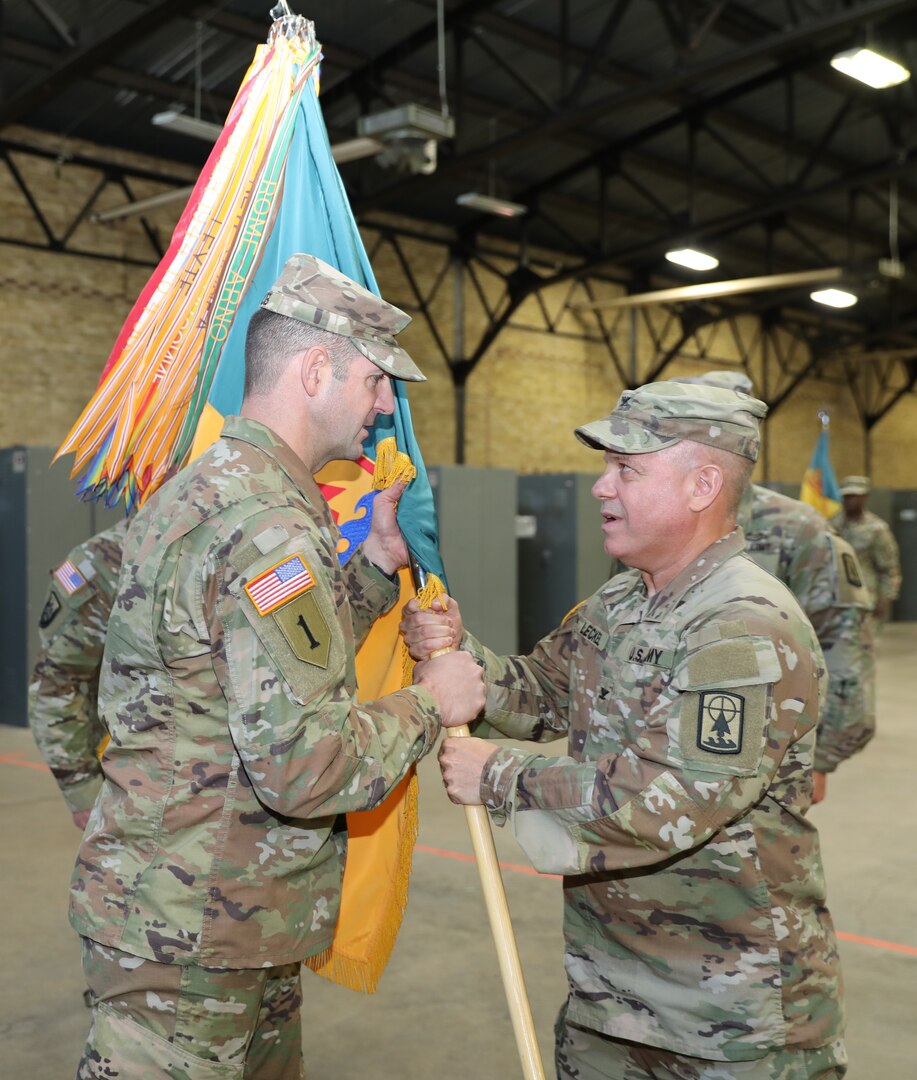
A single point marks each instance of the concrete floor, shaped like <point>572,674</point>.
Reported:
<point>440,1011</point>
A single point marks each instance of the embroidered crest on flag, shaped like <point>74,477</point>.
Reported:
<point>279,584</point>
<point>720,719</point>
<point>69,577</point>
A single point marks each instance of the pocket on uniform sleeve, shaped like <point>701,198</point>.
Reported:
<point>290,623</point>
<point>726,690</point>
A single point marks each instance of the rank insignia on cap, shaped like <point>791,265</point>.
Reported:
<point>279,584</point>
<point>69,577</point>
<point>720,719</point>
<point>851,570</point>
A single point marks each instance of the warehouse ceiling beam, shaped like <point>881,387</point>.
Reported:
<point>511,70</point>
<point>542,42</point>
<point>108,174</point>
<point>53,18</point>
<point>83,61</point>
<point>402,50</point>
<point>783,42</point>
<point>707,290</point>
<point>589,64</point>
<point>122,77</point>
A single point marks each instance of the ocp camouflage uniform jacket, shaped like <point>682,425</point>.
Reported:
<point>65,682</point>
<point>796,544</point>
<point>874,542</point>
<point>695,915</point>
<point>236,742</point>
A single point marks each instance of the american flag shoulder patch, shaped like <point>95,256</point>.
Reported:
<point>69,578</point>
<point>279,583</point>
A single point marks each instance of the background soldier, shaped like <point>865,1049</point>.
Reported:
<point>211,865</point>
<point>697,938</point>
<point>792,541</point>
<point>64,689</point>
<point>874,543</point>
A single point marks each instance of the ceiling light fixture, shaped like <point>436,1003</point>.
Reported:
<point>870,67</point>
<point>836,298</point>
<point>692,259</point>
<point>354,149</point>
<point>188,125</point>
<point>871,272</point>
<point>349,150</point>
<point>490,204</point>
<point>163,198</point>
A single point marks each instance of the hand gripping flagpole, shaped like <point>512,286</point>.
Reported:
<point>501,926</point>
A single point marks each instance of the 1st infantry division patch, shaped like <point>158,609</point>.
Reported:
<point>720,720</point>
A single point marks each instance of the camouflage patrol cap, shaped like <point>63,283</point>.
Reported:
<point>729,380</point>
<point>661,414</point>
<point>314,292</point>
<point>855,485</point>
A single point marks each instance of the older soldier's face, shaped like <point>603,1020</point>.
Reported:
<point>643,499</point>
<point>353,405</point>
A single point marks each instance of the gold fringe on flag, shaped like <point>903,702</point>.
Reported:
<point>392,465</point>
<point>380,842</point>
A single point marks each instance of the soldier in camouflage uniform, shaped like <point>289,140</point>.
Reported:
<point>792,541</point>
<point>874,543</point>
<point>211,865</point>
<point>65,683</point>
<point>698,944</point>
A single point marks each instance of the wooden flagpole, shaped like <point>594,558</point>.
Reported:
<point>501,926</point>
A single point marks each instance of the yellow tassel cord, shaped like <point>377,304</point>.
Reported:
<point>392,465</point>
<point>380,841</point>
<point>433,590</point>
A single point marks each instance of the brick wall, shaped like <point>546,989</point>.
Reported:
<point>61,313</point>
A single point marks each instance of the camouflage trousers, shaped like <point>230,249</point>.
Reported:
<point>581,1054</point>
<point>153,1021</point>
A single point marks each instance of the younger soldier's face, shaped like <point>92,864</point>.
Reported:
<point>353,405</point>
<point>643,500</point>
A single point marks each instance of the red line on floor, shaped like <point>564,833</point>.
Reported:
<point>875,943</point>
<point>18,759</point>
<point>515,867</point>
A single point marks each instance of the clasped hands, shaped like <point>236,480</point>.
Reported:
<point>457,682</point>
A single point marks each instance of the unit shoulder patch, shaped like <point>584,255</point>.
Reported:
<point>305,629</point>
<point>723,730</point>
<point>851,570</point>
<point>50,610</point>
<point>720,722</point>
<point>848,576</point>
<point>279,584</point>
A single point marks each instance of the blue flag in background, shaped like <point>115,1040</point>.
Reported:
<point>819,484</point>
